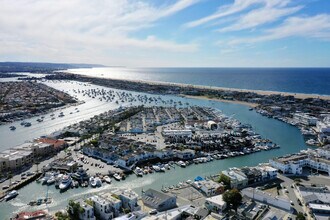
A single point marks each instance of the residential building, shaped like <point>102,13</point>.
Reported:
<point>105,207</point>
<point>129,199</point>
<point>86,212</point>
<point>209,187</point>
<point>237,179</point>
<point>215,204</point>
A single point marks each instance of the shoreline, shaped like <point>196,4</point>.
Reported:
<point>249,104</point>
<point>214,88</point>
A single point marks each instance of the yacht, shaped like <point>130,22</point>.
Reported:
<point>11,195</point>
<point>65,182</point>
<point>80,175</point>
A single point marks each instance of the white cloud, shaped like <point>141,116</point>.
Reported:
<point>317,26</point>
<point>260,16</point>
<point>237,6</point>
<point>80,28</point>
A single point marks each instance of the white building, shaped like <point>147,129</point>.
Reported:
<point>129,199</point>
<point>177,133</point>
<point>238,179</point>
<point>87,212</point>
<point>106,207</point>
<point>209,187</point>
<point>263,197</point>
<point>294,164</point>
<point>215,204</point>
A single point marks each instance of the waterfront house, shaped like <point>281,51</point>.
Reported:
<point>237,179</point>
<point>209,187</point>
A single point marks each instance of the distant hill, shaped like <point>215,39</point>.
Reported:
<point>6,67</point>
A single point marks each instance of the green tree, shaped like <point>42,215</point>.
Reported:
<point>232,197</point>
<point>225,180</point>
<point>300,216</point>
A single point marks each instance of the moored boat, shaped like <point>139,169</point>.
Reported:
<point>11,195</point>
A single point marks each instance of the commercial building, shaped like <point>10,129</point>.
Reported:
<point>158,200</point>
<point>294,164</point>
<point>13,160</point>
<point>263,197</point>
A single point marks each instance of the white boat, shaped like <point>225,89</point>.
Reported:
<point>117,177</point>
<point>51,180</point>
<point>98,182</point>
<point>44,180</point>
<point>107,179</point>
<point>167,166</point>
<point>65,182</point>
<point>138,171</point>
<point>156,168</point>
<point>181,163</point>
<point>11,195</point>
<point>92,181</point>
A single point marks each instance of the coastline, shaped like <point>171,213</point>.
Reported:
<point>214,88</point>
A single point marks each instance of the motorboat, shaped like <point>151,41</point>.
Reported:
<point>98,182</point>
<point>11,195</point>
<point>65,182</point>
<point>138,171</point>
<point>51,180</point>
<point>117,176</point>
<point>107,179</point>
<point>92,181</point>
<point>156,168</point>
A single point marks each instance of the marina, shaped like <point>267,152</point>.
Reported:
<point>288,137</point>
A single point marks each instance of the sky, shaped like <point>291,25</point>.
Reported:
<point>167,33</point>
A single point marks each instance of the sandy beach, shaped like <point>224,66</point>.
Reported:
<point>252,105</point>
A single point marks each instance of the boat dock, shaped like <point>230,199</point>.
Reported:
<point>20,184</point>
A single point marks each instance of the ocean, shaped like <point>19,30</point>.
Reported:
<point>294,80</point>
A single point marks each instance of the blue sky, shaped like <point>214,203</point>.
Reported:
<point>214,33</point>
